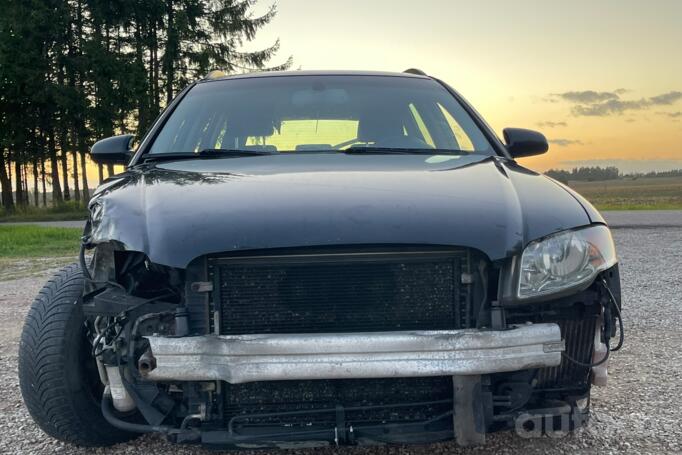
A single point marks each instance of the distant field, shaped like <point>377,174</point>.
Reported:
<point>653,193</point>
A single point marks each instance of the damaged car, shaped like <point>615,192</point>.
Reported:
<point>303,259</point>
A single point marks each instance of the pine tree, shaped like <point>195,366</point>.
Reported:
<point>206,35</point>
<point>74,71</point>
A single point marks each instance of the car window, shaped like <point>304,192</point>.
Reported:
<point>421,126</point>
<point>319,113</point>
<point>312,134</point>
<point>463,139</point>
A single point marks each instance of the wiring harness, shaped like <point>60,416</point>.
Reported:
<point>611,305</point>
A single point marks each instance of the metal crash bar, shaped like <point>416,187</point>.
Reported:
<point>272,357</point>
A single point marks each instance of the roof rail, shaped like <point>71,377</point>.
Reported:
<point>415,71</point>
<point>215,74</point>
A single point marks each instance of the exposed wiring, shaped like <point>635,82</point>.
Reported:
<point>96,343</point>
<point>621,339</point>
<point>589,365</point>
<point>621,334</point>
<point>120,320</point>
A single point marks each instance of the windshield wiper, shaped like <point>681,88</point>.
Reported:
<point>361,149</point>
<point>206,153</point>
<point>235,152</point>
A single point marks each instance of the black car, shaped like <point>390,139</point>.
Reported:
<point>311,258</point>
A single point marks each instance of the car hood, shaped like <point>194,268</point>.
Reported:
<point>177,211</point>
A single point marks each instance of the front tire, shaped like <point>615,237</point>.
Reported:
<point>57,373</point>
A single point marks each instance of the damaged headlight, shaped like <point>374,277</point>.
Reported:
<point>565,260</point>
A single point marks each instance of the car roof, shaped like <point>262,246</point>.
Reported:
<point>221,77</point>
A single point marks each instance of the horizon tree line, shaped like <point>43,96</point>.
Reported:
<point>74,71</point>
<point>597,173</point>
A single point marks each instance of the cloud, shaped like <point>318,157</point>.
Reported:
<point>551,124</point>
<point>677,114</point>
<point>665,99</point>
<point>586,96</point>
<point>600,104</point>
<point>565,142</point>
<point>609,107</point>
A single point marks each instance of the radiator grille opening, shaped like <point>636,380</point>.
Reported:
<point>342,293</point>
<point>364,401</point>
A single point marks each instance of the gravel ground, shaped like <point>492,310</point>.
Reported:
<point>637,412</point>
<point>653,219</point>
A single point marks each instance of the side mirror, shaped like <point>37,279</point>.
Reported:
<point>112,150</point>
<point>522,142</point>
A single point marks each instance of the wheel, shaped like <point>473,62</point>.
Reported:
<point>57,373</point>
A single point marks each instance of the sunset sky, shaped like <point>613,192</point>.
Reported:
<point>601,79</point>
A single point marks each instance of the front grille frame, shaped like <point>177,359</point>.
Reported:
<point>465,258</point>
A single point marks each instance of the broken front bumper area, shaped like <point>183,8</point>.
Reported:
<point>249,358</point>
<point>417,359</point>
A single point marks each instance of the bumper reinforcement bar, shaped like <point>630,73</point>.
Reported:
<point>248,358</point>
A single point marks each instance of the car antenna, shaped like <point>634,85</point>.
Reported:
<point>415,71</point>
<point>215,74</point>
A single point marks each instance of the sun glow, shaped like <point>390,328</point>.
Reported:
<point>514,63</point>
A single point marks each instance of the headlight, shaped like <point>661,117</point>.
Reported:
<point>565,260</point>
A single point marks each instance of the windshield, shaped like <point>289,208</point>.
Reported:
<point>320,114</point>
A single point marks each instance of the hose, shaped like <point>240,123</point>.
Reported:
<point>109,416</point>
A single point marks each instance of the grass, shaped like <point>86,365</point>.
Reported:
<point>34,241</point>
<point>63,212</point>
<point>653,193</point>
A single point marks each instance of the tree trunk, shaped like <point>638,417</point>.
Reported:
<point>54,168</point>
<point>35,182</point>
<point>154,69</point>
<point>71,78</point>
<point>142,94</point>
<point>27,199</point>
<point>170,51</point>
<point>65,165</point>
<point>18,184</point>
<point>83,148</point>
<point>63,146</point>
<point>6,184</point>
<point>76,184</point>
<point>43,178</point>
<point>81,128</point>
<point>9,166</point>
